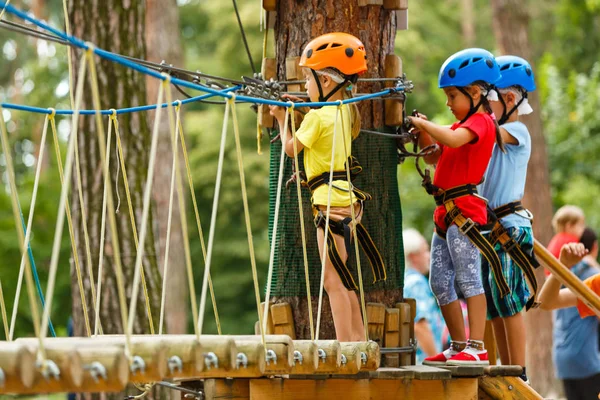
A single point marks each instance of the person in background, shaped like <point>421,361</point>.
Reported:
<point>428,320</point>
<point>568,223</point>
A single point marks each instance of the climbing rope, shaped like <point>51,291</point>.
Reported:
<point>4,9</point>
<point>3,310</point>
<point>302,229</point>
<point>186,244</point>
<point>326,230</point>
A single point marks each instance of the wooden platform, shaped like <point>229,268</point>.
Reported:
<point>411,382</point>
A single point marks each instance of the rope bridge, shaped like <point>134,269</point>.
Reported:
<point>105,363</point>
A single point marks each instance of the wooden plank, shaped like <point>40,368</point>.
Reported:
<point>405,324</point>
<point>376,321</point>
<point>392,336</point>
<point>507,388</point>
<point>269,5</point>
<point>395,4</point>
<point>392,373</point>
<point>268,71</point>
<point>283,320</point>
<point>489,341</point>
<point>425,372</point>
<point>226,389</point>
<point>467,370</point>
<point>393,107</point>
<point>293,72</point>
<point>413,314</point>
<point>503,370</point>
<point>361,389</point>
<point>262,305</point>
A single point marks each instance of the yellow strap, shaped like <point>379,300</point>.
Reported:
<point>238,147</point>
<point>115,122</point>
<point>111,216</point>
<point>4,9</point>
<point>301,211</point>
<point>354,231</point>
<point>186,245</point>
<point>3,310</point>
<point>326,230</point>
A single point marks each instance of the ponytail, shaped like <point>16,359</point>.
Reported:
<point>355,119</point>
<point>486,105</point>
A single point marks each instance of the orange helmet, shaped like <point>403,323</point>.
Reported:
<point>337,50</point>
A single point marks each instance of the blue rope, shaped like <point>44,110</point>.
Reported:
<point>40,110</point>
<point>120,60</point>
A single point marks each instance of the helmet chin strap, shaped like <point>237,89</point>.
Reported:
<point>473,109</point>
<point>506,115</point>
<point>335,89</point>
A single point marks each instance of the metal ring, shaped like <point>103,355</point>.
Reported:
<point>322,355</point>
<point>271,356</point>
<point>211,360</point>
<point>97,371</point>
<point>137,365</point>
<point>298,358</point>
<point>363,357</point>
<point>344,360</point>
<point>242,360</point>
<point>175,364</point>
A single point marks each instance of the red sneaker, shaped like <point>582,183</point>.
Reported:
<point>470,356</point>
<point>440,359</point>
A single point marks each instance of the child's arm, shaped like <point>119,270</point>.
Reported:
<point>551,295</point>
<point>507,138</point>
<point>286,135</point>
<point>445,136</point>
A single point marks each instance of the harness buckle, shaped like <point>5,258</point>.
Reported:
<point>509,245</point>
<point>319,219</point>
<point>467,226</point>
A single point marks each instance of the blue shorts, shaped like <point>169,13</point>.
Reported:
<point>515,301</point>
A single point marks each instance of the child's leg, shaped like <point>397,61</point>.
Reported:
<point>467,264</point>
<point>501,343</point>
<point>515,336</point>
<point>343,302</point>
<point>441,280</point>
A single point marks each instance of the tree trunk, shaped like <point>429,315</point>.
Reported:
<point>467,22</point>
<point>511,23</point>
<point>163,43</point>
<point>119,27</point>
<point>298,21</point>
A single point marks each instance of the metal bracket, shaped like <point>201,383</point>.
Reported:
<point>49,369</point>
<point>137,365</point>
<point>175,364</point>
<point>344,360</point>
<point>271,356</point>
<point>322,355</point>
<point>2,378</point>
<point>298,358</point>
<point>363,357</point>
<point>242,360</point>
<point>97,371</point>
<point>211,360</point>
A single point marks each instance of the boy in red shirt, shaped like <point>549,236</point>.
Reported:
<point>568,224</point>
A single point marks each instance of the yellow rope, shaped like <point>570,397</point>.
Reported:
<point>36,182</point>
<point>302,230</point>
<point>35,313</point>
<point>62,208</point>
<point>174,147</point>
<point>265,318</point>
<point>326,230</point>
<point>238,147</point>
<point>69,56</point>
<point>188,259</point>
<point>3,309</point>
<point>146,202</point>
<point>111,216</point>
<point>213,218</point>
<point>71,228</point>
<point>115,122</point>
<point>4,9</point>
<point>259,128</point>
<point>106,168</point>
<point>352,213</point>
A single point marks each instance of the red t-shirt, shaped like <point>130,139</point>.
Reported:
<point>559,240</point>
<point>466,164</point>
<point>593,282</point>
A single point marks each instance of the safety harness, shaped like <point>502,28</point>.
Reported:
<point>342,228</point>
<point>527,262</point>
<point>467,226</point>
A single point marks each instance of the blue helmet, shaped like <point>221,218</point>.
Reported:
<point>468,66</point>
<point>515,71</point>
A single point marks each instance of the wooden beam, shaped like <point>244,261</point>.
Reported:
<point>283,320</point>
<point>376,321</point>
<point>393,107</point>
<point>269,5</point>
<point>309,351</point>
<point>360,389</point>
<point>507,387</point>
<point>333,356</point>
<point>406,322</point>
<point>413,314</point>
<point>268,71</point>
<point>568,278</point>
<point>226,389</point>
<point>392,336</point>
<point>395,4</point>
<point>351,354</point>
<point>17,363</point>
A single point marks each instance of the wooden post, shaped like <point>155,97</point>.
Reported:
<point>372,352</point>
<point>219,389</point>
<point>395,4</point>
<point>70,368</point>
<point>293,72</point>
<point>281,345</point>
<point>187,350</point>
<point>283,320</point>
<point>225,350</point>
<point>332,351</point>
<point>269,5</point>
<point>413,314</point>
<point>115,363</point>
<point>17,362</point>
<point>405,323</point>
<point>376,321</point>
<point>268,71</point>
<point>351,353</point>
<point>393,107</point>
<point>507,387</point>
<point>363,3</point>
<point>489,341</point>
<point>310,357</point>
<point>250,360</point>
<point>392,336</point>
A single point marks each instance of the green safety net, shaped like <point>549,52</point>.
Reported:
<point>382,218</point>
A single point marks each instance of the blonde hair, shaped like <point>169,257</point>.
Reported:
<point>347,93</point>
<point>566,215</point>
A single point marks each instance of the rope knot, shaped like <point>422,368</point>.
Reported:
<point>177,104</point>
<point>52,112</point>
<point>91,47</point>
<point>291,106</point>
<point>340,103</point>
<point>232,98</point>
<point>167,78</point>
<point>113,113</point>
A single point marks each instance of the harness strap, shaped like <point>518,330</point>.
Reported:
<point>471,230</point>
<point>342,228</point>
<point>528,263</point>
<point>442,196</point>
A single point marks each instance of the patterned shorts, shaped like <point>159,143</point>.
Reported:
<point>515,301</point>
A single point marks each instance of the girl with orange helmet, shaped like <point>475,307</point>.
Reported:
<point>331,65</point>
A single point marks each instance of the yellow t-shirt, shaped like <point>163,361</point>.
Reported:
<point>316,134</point>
